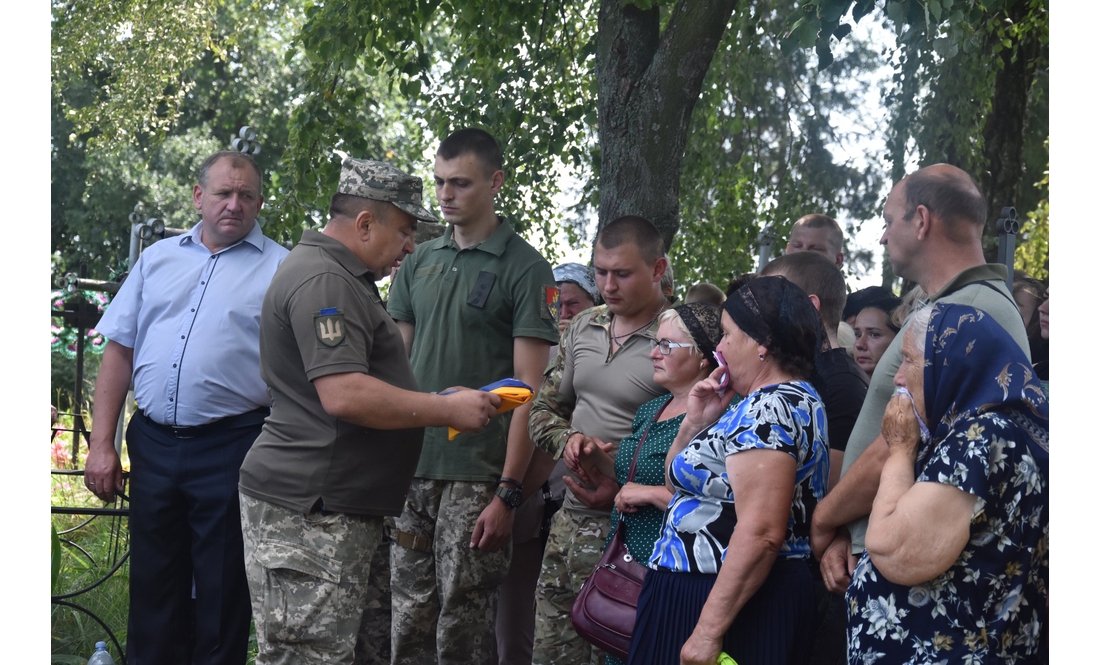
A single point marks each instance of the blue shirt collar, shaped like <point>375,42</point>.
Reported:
<point>255,237</point>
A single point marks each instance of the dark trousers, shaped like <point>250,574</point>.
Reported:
<point>185,524</point>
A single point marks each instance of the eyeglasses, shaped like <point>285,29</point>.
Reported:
<point>667,346</point>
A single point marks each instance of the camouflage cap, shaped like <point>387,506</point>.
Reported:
<point>380,181</point>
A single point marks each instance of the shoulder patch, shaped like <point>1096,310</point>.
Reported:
<point>551,296</point>
<point>328,324</point>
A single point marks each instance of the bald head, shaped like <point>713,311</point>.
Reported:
<point>950,193</point>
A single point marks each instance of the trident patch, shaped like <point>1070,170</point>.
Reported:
<point>329,326</point>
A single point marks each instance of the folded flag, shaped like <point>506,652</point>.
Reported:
<point>513,393</point>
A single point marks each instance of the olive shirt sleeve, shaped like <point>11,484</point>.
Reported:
<point>549,423</point>
<point>531,316</point>
<point>333,326</point>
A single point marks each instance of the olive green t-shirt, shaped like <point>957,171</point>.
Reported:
<point>982,287</point>
<point>466,307</point>
<point>322,315</point>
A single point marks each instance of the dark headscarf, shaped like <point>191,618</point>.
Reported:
<point>703,321</point>
<point>973,366</point>
<point>780,316</point>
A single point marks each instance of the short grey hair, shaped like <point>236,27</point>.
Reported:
<point>918,325</point>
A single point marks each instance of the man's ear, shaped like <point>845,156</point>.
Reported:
<point>659,268</point>
<point>497,181</point>
<point>840,260</point>
<point>923,218</point>
<point>364,224</point>
<point>196,196</point>
<point>816,301</point>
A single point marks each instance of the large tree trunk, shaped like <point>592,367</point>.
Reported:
<point>1005,126</point>
<point>648,84</point>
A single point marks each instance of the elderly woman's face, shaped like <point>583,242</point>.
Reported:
<point>574,300</point>
<point>741,352</point>
<point>680,368</point>
<point>911,373</point>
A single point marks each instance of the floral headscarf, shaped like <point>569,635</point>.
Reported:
<point>704,323</point>
<point>972,366</point>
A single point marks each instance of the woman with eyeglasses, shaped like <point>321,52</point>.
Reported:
<point>682,355</point>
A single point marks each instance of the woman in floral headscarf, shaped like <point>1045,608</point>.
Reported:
<point>955,569</point>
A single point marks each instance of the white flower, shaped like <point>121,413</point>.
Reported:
<point>1011,604</point>
<point>881,615</point>
<point>919,596</point>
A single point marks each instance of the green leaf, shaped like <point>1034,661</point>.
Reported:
<point>862,8</point>
<point>55,556</point>
<point>831,10</point>
<point>805,31</point>
<point>895,11</point>
<point>945,47</point>
<point>824,55</point>
<point>934,7</point>
<point>842,30</point>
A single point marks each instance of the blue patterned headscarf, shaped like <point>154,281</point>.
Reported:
<point>972,366</point>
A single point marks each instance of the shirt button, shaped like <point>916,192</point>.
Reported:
<point>192,309</point>
<point>183,336</point>
<point>169,399</point>
<point>202,282</point>
<point>454,269</point>
<point>173,365</point>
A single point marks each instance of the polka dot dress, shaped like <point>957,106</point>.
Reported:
<point>644,527</point>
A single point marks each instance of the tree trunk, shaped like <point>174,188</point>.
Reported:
<point>1005,126</point>
<point>648,84</point>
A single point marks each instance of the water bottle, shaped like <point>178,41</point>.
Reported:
<point>101,657</point>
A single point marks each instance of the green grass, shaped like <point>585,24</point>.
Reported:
<point>90,548</point>
<point>94,547</point>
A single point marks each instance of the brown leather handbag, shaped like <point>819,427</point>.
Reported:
<point>607,604</point>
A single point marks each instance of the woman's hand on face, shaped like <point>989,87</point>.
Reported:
<point>899,426</point>
<point>699,650</point>
<point>705,405</point>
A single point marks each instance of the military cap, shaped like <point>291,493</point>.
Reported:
<point>381,182</point>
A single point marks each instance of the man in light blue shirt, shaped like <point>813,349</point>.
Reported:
<point>185,328</point>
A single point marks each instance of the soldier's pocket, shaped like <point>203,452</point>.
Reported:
<point>300,593</point>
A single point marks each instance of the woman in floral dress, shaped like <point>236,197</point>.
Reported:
<point>955,567</point>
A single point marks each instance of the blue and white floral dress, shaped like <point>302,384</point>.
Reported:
<point>990,441</point>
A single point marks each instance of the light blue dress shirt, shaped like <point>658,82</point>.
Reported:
<point>193,321</point>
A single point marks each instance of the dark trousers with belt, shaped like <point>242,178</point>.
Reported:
<point>185,524</point>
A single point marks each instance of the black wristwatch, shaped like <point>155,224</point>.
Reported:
<point>512,496</point>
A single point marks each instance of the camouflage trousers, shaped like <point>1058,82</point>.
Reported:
<point>574,547</point>
<point>444,592</point>
<point>310,581</point>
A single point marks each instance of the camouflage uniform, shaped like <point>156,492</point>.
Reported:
<point>444,577</point>
<point>373,645</point>
<point>573,549</point>
<point>614,385</point>
<point>308,578</point>
<point>315,488</point>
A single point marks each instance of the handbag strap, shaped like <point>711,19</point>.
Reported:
<point>641,441</point>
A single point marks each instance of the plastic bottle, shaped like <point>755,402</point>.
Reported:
<point>101,656</point>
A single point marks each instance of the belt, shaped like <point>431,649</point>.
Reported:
<point>254,417</point>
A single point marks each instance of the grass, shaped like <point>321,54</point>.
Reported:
<point>90,548</point>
